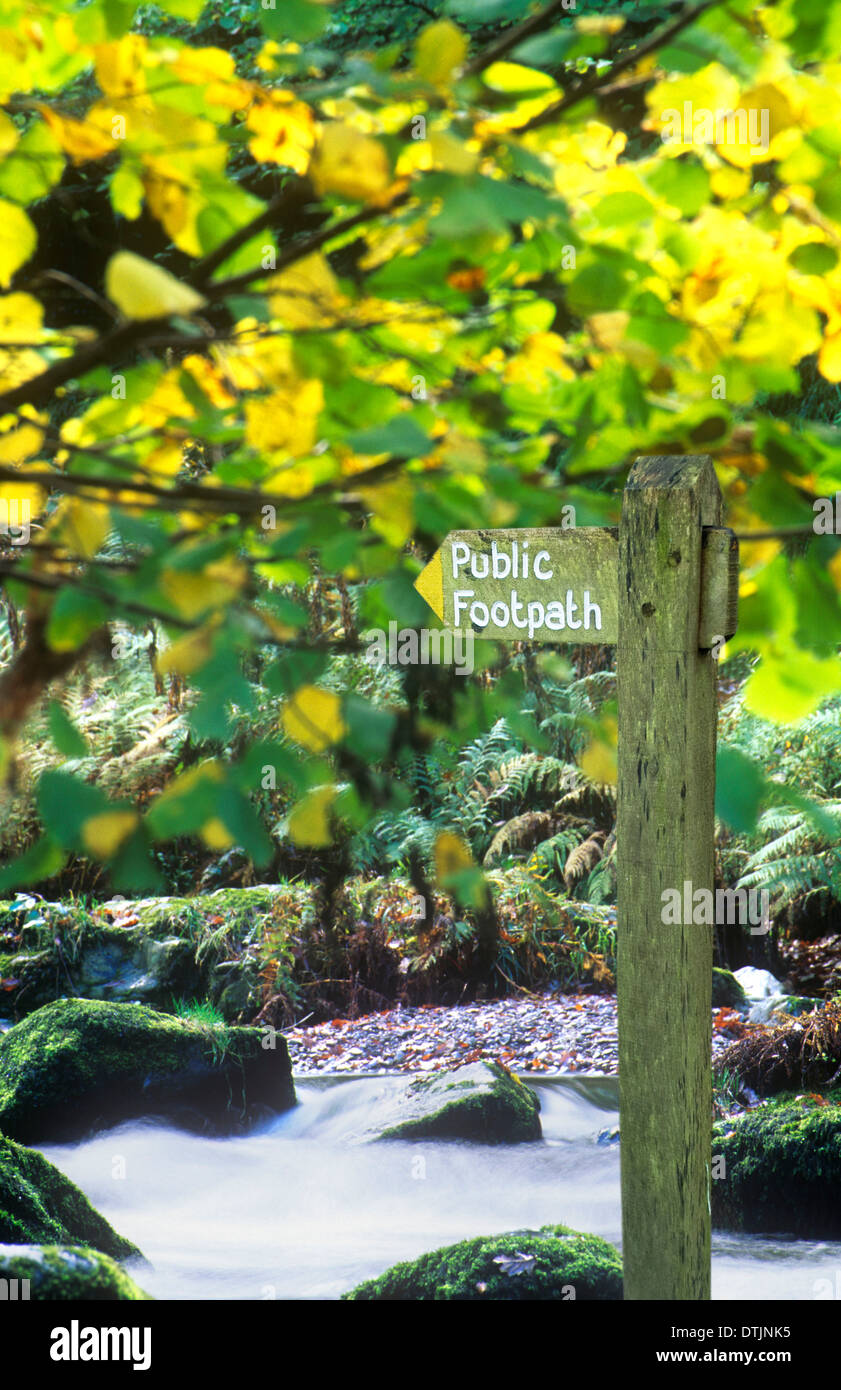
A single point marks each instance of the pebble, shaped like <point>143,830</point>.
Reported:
<point>551,1033</point>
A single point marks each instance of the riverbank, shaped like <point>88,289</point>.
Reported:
<point>552,1033</point>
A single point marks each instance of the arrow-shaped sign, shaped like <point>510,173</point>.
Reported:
<point>558,584</point>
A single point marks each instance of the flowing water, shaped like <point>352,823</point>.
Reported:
<point>298,1209</point>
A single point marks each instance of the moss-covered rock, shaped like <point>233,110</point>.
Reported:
<point>552,1264</point>
<point>481,1101</point>
<point>169,948</point>
<point>727,992</point>
<point>781,1169</point>
<point>53,1273</point>
<point>38,1204</point>
<point>80,1065</point>
<point>124,965</point>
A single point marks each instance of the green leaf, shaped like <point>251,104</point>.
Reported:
<point>684,183</point>
<point>127,191</point>
<point>623,210</point>
<point>487,11</point>
<point>33,167</point>
<point>182,9</point>
<point>400,437</point>
<point>40,862</point>
<point>132,868</point>
<point>814,258</point>
<point>64,733</point>
<point>293,19</point>
<point>73,618</point>
<point>229,208</point>
<point>369,729</point>
<point>294,669</point>
<point>65,803</point>
<point>787,685</point>
<point>739,789</point>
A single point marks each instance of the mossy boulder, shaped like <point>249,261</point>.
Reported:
<point>480,1101</point>
<point>54,1273</point>
<point>781,1169</point>
<point>80,1065</point>
<point>552,1264</point>
<point>727,992</point>
<point>39,1205</point>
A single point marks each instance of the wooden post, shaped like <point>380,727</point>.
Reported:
<point>665,827</point>
<point>666,604</point>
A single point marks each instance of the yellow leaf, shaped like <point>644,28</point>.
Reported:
<point>393,510</point>
<point>598,761</point>
<point>176,208</point>
<point>452,154</point>
<point>683,108</point>
<point>143,290</point>
<point>18,240</point>
<point>514,77</point>
<point>728,182</point>
<point>120,66</point>
<point>547,352</point>
<point>286,420</point>
<point>439,50</point>
<point>452,856</point>
<point>19,444</point>
<point>187,654</point>
<point>193,592</point>
<point>313,718</point>
<point>284,132</point>
<point>16,498</point>
<point>309,819</point>
<point>104,834</point>
<point>82,140</point>
<point>21,319</point>
<point>84,525</point>
<point>9,134</point>
<point>349,163</point>
<point>216,834</point>
<point>210,771</point>
<point>752,132</point>
<point>166,459</point>
<point>198,65</point>
<point>306,295</point>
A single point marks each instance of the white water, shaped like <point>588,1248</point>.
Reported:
<point>296,1209</point>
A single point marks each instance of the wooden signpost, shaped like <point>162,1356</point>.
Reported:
<point>662,587</point>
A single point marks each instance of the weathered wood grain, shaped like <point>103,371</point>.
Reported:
<point>666,759</point>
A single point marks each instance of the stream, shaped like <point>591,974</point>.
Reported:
<point>297,1210</point>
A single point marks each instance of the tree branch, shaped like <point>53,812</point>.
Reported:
<point>512,37</point>
<point>40,389</point>
<point>598,80</point>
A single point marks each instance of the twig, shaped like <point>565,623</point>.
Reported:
<point>598,80</point>
<point>512,37</point>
